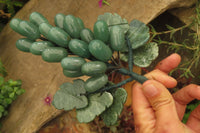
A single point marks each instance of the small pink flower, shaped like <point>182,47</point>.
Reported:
<point>100,3</point>
<point>48,100</point>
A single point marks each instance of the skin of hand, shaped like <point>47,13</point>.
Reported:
<point>156,110</point>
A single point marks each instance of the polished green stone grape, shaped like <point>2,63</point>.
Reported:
<point>38,47</point>
<point>14,24</point>
<point>72,63</point>
<point>72,74</point>
<point>79,47</point>
<point>29,30</point>
<point>87,35</point>
<point>24,44</point>
<point>44,29</point>
<point>94,68</point>
<point>100,50</point>
<point>72,26</point>
<point>80,23</point>
<point>37,18</point>
<point>59,36</point>
<point>101,31</point>
<point>54,54</point>
<point>59,19</point>
<point>96,82</point>
<point>117,38</point>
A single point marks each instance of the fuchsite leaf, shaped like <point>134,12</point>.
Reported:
<point>97,104</point>
<point>69,96</point>
<point>110,116</point>
<point>114,19</point>
<point>138,34</point>
<point>143,56</point>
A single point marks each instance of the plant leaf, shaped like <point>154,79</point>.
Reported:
<point>115,19</point>
<point>138,34</point>
<point>97,104</point>
<point>69,96</point>
<point>143,56</point>
<point>110,116</point>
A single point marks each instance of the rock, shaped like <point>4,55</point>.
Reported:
<point>184,14</point>
<point>40,79</point>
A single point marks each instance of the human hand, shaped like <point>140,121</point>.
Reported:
<point>156,110</point>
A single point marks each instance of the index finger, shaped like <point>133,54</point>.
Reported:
<point>169,63</point>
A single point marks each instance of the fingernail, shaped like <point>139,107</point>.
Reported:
<point>150,90</point>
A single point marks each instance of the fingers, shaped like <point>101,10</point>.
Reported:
<point>161,101</point>
<point>169,63</point>
<point>185,96</point>
<point>194,120</point>
<point>143,114</point>
<point>162,77</point>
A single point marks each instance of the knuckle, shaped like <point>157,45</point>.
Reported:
<point>151,74</point>
<point>161,102</point>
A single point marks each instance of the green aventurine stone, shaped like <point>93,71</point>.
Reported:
<point>29,30</point>
<point>54,54</point>
<point>87,35</point>
<point>37,18</point>
<point>117,38</point>
<point>38,47</point>
<point>59,19</point>
<point>101,31</point>
<point>59,36</point>
<point>93,68</point>
<point>96,82</point>
<point>80,23</point>
<point>72,26</point>
<point>24,44</point>
<point>14,24</point>
<point>72,74</point>
<point>44,29</point>
<point>72,63</point>
<point>79,48</point>
<point>100,50</point>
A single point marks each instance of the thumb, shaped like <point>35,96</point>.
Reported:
<point>161,101</point>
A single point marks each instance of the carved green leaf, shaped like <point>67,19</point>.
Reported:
<point>110,116</point>
<point>144,55</point>
<point>69,96</point>
<point>97,104</point>
<point>114,19</point>
<point>138,34</point>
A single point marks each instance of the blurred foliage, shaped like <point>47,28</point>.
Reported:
<point>176,41</point>
<point>9,91</point>
<point>189,45</point>
<point>8,8</point>
<point>189,109</point>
